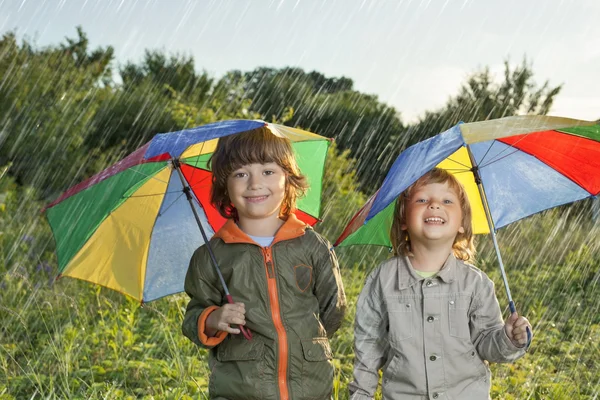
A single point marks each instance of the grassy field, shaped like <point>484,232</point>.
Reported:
<point>70,339</point>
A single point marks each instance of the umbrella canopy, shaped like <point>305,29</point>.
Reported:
<point>524,164</point>
<point>131,228</point>
<point>510,167</point>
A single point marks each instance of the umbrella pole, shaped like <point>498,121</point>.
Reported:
<point>488,216</point>
<point>188,193</point>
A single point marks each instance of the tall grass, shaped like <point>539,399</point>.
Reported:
<point>70,339</point>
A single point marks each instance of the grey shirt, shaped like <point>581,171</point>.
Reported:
<point>430,336</point>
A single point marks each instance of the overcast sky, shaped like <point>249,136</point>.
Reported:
<point>412,54</point>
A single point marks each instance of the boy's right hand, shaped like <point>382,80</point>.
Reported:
<point>224,317</point>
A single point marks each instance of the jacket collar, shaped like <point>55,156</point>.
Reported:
<point>408,277</point>
<point>291,229</point>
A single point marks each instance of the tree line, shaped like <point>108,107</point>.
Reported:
<point>66,111</point>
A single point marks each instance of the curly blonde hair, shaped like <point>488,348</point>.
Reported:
<point>257,146</point>
<point>463,246</point>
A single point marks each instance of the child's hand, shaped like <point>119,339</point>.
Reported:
<point>221,319</point>
<point>516,329</point>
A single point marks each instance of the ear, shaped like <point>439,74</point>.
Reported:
<point>403,227</point>
<point>461,230</point>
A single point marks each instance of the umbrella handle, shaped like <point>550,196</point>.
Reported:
<point>513,309</point>
<point>245,331</point>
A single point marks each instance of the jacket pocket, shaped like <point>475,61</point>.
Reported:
<point>240,349</point>
<point>458,317</point>
<point>317,369</point>
<point>400,314</point>
<point>467,373</point>
<point>401,377</point>
<point>239,370</point>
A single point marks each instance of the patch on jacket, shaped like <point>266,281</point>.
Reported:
<point>303,275</point>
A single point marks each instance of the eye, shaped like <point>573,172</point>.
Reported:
<point>421,201</point>
<point>448,201</point>
<point>269,172</point>
<point>239,174</point>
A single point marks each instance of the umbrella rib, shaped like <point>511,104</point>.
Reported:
<point>171,205</point>
<point>459,163</point>
<point>197,159</point>
<point>506,149</point>
<point>149,176</point>
<point>153,194</point>
<point>197,184</point>
<point>498,159</point>
<point>459,171</point>
<point>486,152</point>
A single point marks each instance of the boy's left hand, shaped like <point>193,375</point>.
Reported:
<point>516,329</point>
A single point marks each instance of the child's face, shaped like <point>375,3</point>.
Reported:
<point>433,215</point>
<point>257,190</point>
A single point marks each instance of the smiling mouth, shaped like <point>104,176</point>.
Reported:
<point>434,220</point>
<point>256,199</point>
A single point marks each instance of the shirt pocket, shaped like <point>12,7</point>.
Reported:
<point>458,316</point>
<point>400,315</point>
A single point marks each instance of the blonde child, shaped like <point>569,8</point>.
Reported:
<point>426,318</point>
<point>283,274</point>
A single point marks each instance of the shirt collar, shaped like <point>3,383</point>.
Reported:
<point>291,228</point>
<point>408,277</point>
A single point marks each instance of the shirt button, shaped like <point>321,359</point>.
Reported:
<point>435,395</point>
<point>451,302</point>
<point>430,319</point>
<point>433,358</point>
<point>429,284</point>
<point>309,353</point>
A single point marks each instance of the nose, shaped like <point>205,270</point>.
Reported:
<point>255,182</point>
<point>434,205</point>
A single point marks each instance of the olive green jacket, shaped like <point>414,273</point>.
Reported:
<point>294,300</point>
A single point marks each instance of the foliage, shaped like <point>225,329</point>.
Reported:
<point>47,98</point>
<point>329,106</point>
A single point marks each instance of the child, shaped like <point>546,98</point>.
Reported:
<point>425,317</point>
<point>284,276</point>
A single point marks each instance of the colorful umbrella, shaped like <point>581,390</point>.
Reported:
<point>134,226</point>
<point>511,168</point>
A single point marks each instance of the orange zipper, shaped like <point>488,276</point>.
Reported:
<point>276,316</point>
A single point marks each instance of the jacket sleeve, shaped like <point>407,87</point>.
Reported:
<point>370,339</point>
<point>204,299</point>
<point>329,290</point>
<point>487,327</point>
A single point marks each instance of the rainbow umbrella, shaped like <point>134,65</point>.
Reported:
<point>511,168</point>
<point>134,226</point>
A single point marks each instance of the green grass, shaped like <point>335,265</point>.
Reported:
<point>71,339</point>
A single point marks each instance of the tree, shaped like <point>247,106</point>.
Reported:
<point>47,98</point>
<point>329,107</point>
<point>176,72</point>
<point>481,98</point>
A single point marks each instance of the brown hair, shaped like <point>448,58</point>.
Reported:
<point>463,247</point>
<point>258,146</point>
